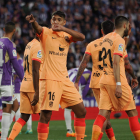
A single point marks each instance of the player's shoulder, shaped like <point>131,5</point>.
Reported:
<point>7,42</point>
<point>96,42</point>
<point>46,30</point>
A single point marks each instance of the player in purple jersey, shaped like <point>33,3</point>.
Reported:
<point>8,58</point>
<point>83,90</point>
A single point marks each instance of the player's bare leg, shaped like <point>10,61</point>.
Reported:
<point>43,125</point>
<point>79,120</point>
<point>134,123</point>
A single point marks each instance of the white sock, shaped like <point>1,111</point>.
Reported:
<point>29,123</point>
<point>12,116</point>
<point>18,114</point>
<point>67,115</point>
<point>5,124</point>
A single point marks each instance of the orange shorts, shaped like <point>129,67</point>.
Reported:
<point>25,103</point>
<point>96,92</point>
<point>109,101</point>
<point>52,93</point>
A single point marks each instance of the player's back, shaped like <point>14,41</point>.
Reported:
<point>32,52</point>
<point>94,49</point>
<point>113,44</point>
<point>7,53</point>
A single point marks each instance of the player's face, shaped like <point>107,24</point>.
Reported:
<point>58,20</point>
<point>126,30</point>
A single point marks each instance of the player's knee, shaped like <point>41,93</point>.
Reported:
<point>82,113</point>
<point>45,116</point>
<point>132,113</point>
<point>6,107</point>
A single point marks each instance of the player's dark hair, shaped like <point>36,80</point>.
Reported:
<point>107,26</point>
<point>9,27</point>
<point>18,50</point>
<point>119,20</point>
<point>59,13</point>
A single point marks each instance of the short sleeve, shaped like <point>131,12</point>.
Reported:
<point>36,53</point>
<point>119,47</point>
<point>12,51</point>
<point>43,33</point>
<point>88,51</point>
<point>125,54</point>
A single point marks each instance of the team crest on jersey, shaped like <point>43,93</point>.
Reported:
<point>120,47</point>
<point>14,53</point>
<point>39,55</point>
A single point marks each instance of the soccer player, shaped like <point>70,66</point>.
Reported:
<point>8,57</point>
<point>116,94</point>
<point>29,90</point>
<point>17,84</point>
<point>55,86</point>
<point>93,51</point>
<point>83,90</point>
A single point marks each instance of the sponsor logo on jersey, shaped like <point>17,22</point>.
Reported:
<point>61,49</point>
<point>14,53</point>
<point>120,48</point>
<point>39,55</point>
<point>57,53</point>
<point>96,74</point>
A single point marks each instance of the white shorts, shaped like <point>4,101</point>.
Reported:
<point>6,92</point>
<point>17,96</point>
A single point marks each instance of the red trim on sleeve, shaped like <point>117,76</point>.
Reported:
<point>72,39</point>
<point>36,60</point>
<point>126,56</point>
<point>40,33</point>
<point>118,54</point>
<point>87,53</point>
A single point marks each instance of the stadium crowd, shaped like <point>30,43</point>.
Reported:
<point>82,15</point>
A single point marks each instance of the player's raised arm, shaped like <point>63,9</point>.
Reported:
<point>38,29</point>
<point>83,65</point>
<point>35,73</point>
<point>76,36</point>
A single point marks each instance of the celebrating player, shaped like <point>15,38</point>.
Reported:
<point>83,90</point>
<point>115,93</point>
<point>55,86</point>
<point>29,90</point>
<point>8,57</point>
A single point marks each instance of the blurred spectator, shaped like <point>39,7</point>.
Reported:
<point>43,5</point>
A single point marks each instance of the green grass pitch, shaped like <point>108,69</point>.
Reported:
<point>58,131</point>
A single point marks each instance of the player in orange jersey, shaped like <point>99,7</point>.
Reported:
<point>55,86</point>
<point>29,90</point>
<point>115,93</point>
<point>93,51</point>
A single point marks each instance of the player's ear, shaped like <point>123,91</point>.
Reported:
<point>51,21</point>
<point>14,30</point>
<point>124,25</point>
<point>64,22</point>
<point>4,29</point>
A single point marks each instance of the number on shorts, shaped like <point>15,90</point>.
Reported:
<point>26,67</point>
<point>51,96</point>
<point>108,52</point>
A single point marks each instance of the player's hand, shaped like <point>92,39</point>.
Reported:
<point>118,92</point>
<point>77,86</point>
<point>35,100</point>
<point>57,27</point>
<point>30,18</point>
<point>134,83</point>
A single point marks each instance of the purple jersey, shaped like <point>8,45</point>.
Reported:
<point>84,80</point>
<point>17,80</point>
<point>7,53</point>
